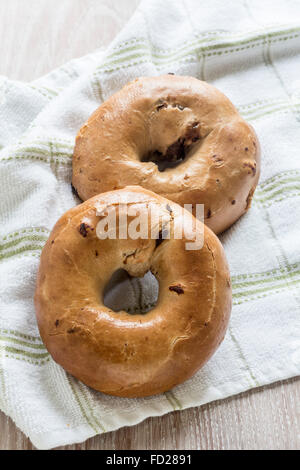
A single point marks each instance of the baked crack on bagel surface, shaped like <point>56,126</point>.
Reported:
<point>174,135</point>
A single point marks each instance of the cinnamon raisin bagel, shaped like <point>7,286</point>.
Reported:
<point>177,136</point>
<point>116,352</point>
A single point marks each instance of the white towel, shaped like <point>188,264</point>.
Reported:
<point>250,50</point>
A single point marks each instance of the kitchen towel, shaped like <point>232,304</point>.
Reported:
<point>250,50</point>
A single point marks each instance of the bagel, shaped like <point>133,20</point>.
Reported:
<point>119,353</point>
<point>177,136</point>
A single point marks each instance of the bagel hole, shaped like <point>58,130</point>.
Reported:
<point>164,162</point>
<point>135,295</point>
<point>177,152</point>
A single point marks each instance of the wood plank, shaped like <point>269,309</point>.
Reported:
<point>38,35</point>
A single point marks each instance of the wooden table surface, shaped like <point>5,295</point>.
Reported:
<point>35,37</point>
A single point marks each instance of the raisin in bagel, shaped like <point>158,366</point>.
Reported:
<point>211,152</point>
<point>116,352</point>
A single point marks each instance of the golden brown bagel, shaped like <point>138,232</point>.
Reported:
<point>118,353</point>
<point>171,118</point>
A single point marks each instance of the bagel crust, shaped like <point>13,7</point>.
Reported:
<point>213,155</point>
<point>115,352</point>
